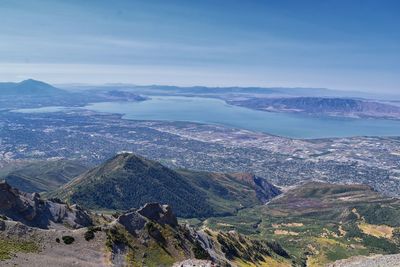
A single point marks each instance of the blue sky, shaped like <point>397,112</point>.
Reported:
<point>340,44</point>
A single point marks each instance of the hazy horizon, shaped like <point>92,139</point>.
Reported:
<point>340,45</point>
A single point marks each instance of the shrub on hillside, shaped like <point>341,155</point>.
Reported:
<point>89,234</point>
<point>68,239</point>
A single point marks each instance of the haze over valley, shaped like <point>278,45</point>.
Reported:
<point>200,133</point>
<point>49,148</point>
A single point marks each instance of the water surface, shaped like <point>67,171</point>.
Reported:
<point>215,111</point>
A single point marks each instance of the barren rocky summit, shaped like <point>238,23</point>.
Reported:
<point>32,210</point>
<point>38,232</point>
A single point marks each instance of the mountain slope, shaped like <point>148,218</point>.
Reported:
<point>31,210</point>
<point>32,94</point>
<point>42,176</point>
<point>50,233</point>
<point>128,181</point>
<point>29,88</point>
<point>229,193</point>
<point>320,223</point>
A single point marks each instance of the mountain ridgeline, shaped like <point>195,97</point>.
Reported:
<point>322,105</point>
<point>127,181</point>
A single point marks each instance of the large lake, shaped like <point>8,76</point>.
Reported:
<point>214,111</point>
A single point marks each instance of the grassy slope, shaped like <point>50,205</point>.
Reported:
<point>8,247</point>
<point>321,223</point>
<point>230,247</point>
<point>41,176</point>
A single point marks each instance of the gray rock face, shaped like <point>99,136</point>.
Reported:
<point>370,261</point>
<point>193,262</point>
<point>135,220</point>
<point>161,214</point>
<point>132,221</point>
<point>2,225</point>
<point>33,211</point>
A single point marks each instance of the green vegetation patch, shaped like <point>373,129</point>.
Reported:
<point>9,247</point>
<point>116,236</point>
<point>381,214</point>
<point>156,256</point>
<point>68,239</point>
<point>199,252</point>
<point>89,234</point>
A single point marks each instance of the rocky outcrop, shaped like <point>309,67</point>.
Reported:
<point>161,214</point>
<point>194,262</point>
<point>132,221</point>
<point>32,210</point>
<point>136,219</point>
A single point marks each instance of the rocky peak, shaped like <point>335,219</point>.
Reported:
<point>34,211</point>
<point>8,196</point>
<point>126,160</point>
<point>132,221</point>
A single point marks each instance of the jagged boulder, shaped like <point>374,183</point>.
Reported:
<point>132,221</point>
<point>161,214</point>
<point>136,219</point>
<point>32,210</point>
<point>194,262</point>
<point>7,196</point>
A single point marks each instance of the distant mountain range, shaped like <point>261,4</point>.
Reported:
<point>229,91</point>
<point>322,106</point>
<point>35,87</point>
<point>311,101</point>
<point>128,180</point>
